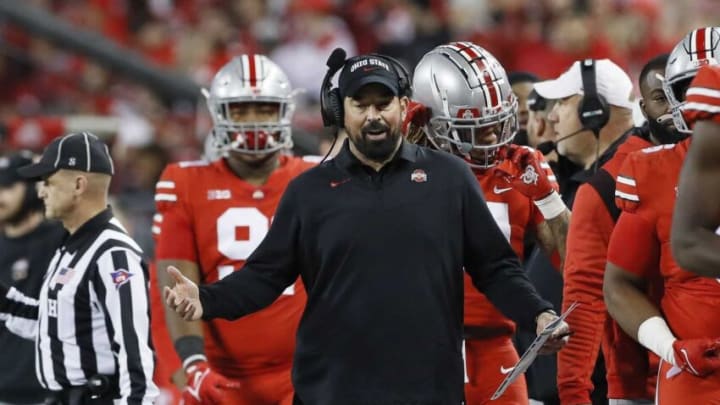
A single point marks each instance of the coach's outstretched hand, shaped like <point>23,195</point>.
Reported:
<point>183,297</point>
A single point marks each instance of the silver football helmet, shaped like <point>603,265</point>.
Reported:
<point>700,47</point>
<point>468,93</point>
<point>250,79</point>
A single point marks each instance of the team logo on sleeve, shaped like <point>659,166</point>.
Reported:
<point>120,277</point>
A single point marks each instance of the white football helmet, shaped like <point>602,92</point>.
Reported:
<point>700,47</point>
<point>467,91</point>
<point>250,79</point>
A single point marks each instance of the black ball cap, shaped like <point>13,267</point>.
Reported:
<point>81,151</point>
<point>9,166</point>
<point>366,69</point>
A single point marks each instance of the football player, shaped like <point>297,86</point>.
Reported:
<point>696,219</point>
<point>211,216</point>
<point>682,331</point>
<point>463,104</point>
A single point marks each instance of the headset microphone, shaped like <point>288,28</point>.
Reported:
<point>571,135</point>
<point>336,59</point>
<point>549,146</point>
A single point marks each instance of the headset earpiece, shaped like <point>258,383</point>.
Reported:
<point>331,103</point>
<point>335,107</point>
<point>404,80</point>
<point>331,106</point>
<point>593,110</point>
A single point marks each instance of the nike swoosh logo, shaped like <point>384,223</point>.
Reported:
<point>497,190</point>
<point>195,383</point>
<point>504,370</point>
<point>334,184</point>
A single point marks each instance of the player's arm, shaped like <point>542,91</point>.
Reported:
<point>624,287</point>
<point>695,244</point>
<point>175,240</point>
<point>552,235</point>
<point>537,182</point>
<point>626,273</point>
<point>187,336</point>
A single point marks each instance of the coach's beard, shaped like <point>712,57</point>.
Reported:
<point>377,150</point>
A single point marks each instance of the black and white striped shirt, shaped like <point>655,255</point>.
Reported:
<point>92,315</point>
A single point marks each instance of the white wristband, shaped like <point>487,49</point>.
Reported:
<point>655,335</point>
<point>551,206</point>
<point>192,359</point>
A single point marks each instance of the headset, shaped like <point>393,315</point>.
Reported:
<point>593,109</point>
<point>331,102</point>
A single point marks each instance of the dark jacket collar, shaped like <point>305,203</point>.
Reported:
<point>345,158</point>
<point>89,229</point>
<point>583,176</point>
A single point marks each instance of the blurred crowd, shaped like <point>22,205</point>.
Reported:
<point>46,86</point>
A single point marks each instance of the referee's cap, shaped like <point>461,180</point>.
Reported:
<point>82,151</point>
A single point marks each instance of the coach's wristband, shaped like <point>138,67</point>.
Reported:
<point>551,206</point>
<point>190,349</point>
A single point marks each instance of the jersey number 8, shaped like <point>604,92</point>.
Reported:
<point>257,225</point>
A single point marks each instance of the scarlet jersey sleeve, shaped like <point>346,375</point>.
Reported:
<point>173,222</point>
<point>634,244</point>
<point>703,97</point>
<point>627,197</point>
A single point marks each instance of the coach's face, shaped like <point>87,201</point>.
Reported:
<point>58,192</point>
<point>373,121</point>
<point>564,117</point>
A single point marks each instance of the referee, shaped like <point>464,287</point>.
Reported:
<point>90,321</point>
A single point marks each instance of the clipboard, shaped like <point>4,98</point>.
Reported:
<point>532,352</point>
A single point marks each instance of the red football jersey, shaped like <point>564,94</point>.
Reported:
<point>703,96</point>
<point>514,214</point>
<point>647,187</point>
<point>207,215</point>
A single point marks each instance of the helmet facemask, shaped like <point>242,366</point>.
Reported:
<point>251,79</point>
<point>465,136</point>
<point>698,48</point>
<point>470,98</point>
<point>675,90</point>
<point>251,137</point>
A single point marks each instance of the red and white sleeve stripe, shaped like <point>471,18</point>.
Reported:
<point>703,97</point>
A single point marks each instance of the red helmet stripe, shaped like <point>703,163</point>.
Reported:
<point>700,44</point>
<point>253,71</point>
<point>479,60</point>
